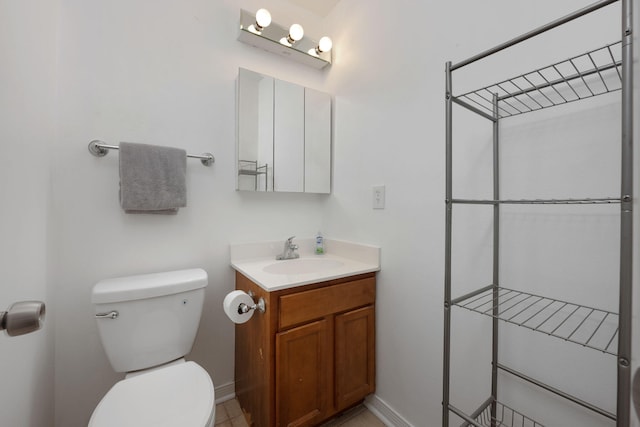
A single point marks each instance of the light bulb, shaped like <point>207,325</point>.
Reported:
<point>263,18</point>
<point>324,45</point>
<point>296,32</point>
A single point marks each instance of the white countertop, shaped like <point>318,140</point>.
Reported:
<point>351,259</point>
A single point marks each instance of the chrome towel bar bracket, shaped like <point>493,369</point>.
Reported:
<point>100,149</point>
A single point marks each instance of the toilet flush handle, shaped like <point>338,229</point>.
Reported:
<point>111,315</point>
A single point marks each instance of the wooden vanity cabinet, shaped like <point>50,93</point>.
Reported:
<point>310,355</point>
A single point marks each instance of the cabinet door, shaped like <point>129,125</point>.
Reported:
<point>303,374</point>
<point>317,142</point>
<point>288,137</point>
<point>355,356</point>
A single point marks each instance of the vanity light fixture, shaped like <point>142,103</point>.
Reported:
<point>260,31</point>
<point>263,20</point>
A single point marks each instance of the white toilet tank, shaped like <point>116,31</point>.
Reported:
<point>149,319</point>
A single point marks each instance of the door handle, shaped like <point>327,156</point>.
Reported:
<point>22,318</point>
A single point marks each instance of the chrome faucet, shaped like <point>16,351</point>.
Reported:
<point>289,251</point>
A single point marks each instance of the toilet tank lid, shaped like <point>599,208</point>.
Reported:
<point>148,285</point>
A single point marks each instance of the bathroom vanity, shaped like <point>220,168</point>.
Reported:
<point>311,354</point>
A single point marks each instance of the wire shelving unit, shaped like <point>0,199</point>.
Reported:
<point>251,168</point>
<point>597,72</point>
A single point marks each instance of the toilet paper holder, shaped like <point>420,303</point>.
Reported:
<point>22,318</point>
<point>261,306</point>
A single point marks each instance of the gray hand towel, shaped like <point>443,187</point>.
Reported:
<point>152,178</point>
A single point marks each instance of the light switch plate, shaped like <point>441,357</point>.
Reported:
<point>378,197</point>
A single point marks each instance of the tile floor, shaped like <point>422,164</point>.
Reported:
<point>229,414</point>
<point>355,417</point>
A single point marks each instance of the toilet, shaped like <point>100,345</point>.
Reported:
<point>147,324</point>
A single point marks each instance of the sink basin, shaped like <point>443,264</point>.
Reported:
<point>302,266</point>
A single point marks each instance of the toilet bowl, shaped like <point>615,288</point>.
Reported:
<point>147,323</point>
<point>180,395</point>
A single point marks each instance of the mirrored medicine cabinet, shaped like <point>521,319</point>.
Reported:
<point>284,136</point>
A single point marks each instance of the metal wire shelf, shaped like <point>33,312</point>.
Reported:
<point>505,417</point>
<point>584,76</point>
<point>590,327</point>
<point>587,201</point>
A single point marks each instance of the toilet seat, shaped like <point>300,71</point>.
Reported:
<point>178,395</point>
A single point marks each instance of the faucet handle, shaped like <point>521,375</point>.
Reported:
<point>290,239</point>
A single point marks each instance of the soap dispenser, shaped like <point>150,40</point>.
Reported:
<point>319,244</point>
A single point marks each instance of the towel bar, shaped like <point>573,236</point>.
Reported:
<point>100,149</point>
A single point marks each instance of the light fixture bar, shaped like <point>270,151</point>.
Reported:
<point>304,50</point>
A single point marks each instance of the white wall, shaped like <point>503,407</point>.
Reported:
<point>388,83</point>
<point>27,88</point>
<point>161,73</point>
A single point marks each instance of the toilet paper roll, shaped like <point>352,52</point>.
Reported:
<point>231,304</point>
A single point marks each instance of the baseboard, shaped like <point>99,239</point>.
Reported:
<point>225,392</point>
<point>384,412</point>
